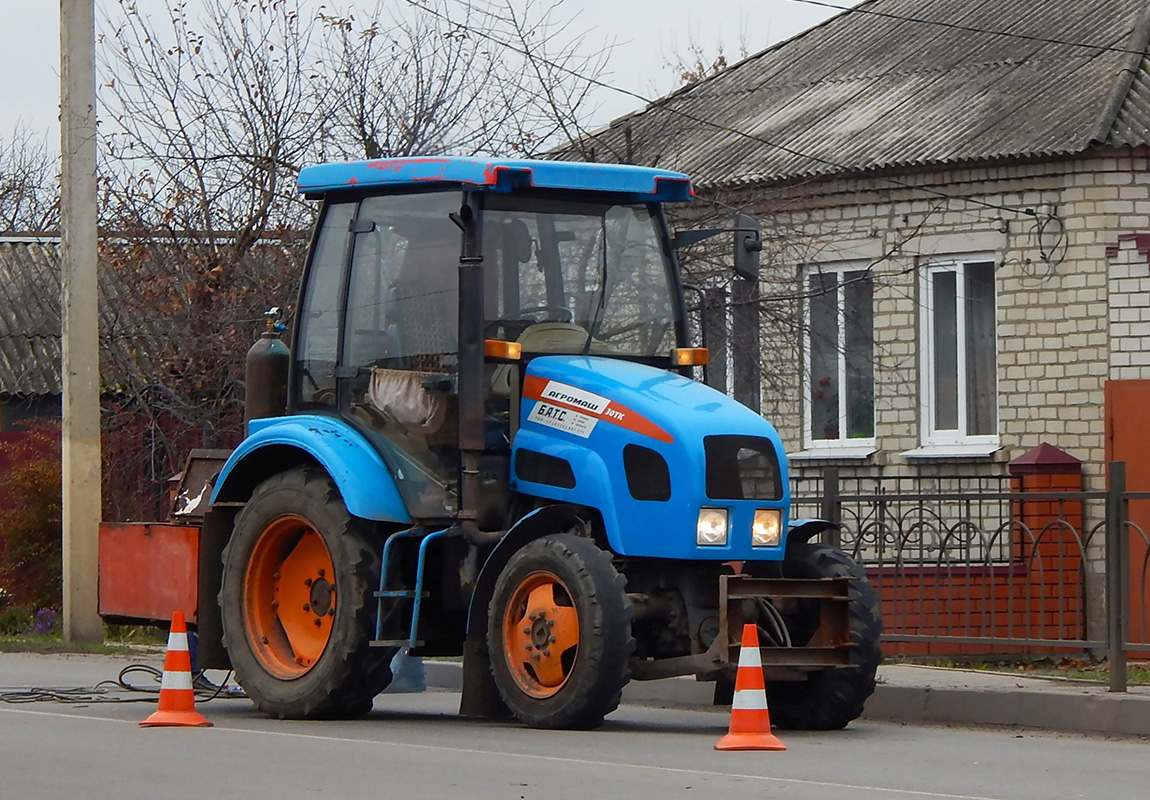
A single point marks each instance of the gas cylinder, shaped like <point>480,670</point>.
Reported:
<point>266,372</point>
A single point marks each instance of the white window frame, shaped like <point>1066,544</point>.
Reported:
<point>842,447</point>
<point>950,442</point>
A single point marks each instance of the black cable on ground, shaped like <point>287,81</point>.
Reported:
<point>117,691</point>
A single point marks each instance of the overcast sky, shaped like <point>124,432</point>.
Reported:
<point>646,34</point>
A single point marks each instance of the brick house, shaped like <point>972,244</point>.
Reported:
<point>956,209</point>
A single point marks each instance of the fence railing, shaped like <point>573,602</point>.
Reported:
<point>992,565</point>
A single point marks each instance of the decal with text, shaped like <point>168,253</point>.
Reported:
<point>574,410</point>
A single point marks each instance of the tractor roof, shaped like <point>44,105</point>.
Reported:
<point>637,184</point>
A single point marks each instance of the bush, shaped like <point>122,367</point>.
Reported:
<point>31,555</point>
<point>15,621</point>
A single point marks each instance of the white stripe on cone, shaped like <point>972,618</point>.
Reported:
<point>176,680</point>
<point>749,657</point>
<point>749,700</point>
<point>177,641</point>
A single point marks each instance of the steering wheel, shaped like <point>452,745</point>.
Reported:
<point>566,314</point>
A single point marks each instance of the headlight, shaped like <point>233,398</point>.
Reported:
<point>711,529</point>
<point>765,528</point>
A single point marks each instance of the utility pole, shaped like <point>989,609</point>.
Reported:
<point>80,367</point>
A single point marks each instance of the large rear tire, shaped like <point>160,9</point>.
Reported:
<point>559,633</point>
<point>828,699</point>
<point>296,601</point>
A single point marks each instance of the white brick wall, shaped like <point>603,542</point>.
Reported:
<point>1065,325</point>
<point>1129,276</point>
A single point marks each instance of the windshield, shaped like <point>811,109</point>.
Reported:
<point>577,277</point>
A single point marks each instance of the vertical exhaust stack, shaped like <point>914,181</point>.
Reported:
<point>266,372</point>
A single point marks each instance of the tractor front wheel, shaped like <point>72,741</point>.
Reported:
<point>296,601</point>
<point>828,699</point>
<point>559,633</point>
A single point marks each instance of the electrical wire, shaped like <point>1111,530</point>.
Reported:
<point>868,173</point>
<point>120,690</point>
<point>778,634</point>
<point>1102,48</point>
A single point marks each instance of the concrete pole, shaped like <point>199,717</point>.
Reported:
<point>80,370</point>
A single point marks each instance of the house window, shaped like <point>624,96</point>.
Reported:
<point>840,358</point>
<point>959,368</point>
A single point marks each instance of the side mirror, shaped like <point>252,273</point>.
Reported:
<point>748,245</point>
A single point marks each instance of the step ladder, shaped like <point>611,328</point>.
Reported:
<point>416,595</point>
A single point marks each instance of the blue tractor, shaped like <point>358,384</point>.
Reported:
<point>486,441</point>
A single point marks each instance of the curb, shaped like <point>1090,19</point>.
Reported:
<point>1068,710</point>
<point>1073,708</point>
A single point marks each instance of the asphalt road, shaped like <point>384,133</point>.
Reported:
<point>414,746</point>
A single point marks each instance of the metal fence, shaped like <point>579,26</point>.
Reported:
<point>996,565</point>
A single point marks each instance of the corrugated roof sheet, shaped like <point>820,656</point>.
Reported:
<point>877,88</point>
<point>30,351</point>
<point>29,318</point>
<point>144,305</point>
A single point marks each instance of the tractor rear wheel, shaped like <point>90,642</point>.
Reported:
<point>296,601</point>
<point>830,698</point>
<point>559,633</point>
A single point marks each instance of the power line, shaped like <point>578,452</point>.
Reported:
<point>709,123</point>
<point>971,29</point>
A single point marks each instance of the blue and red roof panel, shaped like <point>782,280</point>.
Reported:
<point>637,184</point>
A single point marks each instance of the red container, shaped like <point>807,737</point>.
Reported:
<point>148,570</point>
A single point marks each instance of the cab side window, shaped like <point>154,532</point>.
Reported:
<point>320,316</point>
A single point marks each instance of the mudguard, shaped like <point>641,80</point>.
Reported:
<point>363,479</point>
<point>803,530</point>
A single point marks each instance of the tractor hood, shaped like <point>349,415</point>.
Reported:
<point>648,448</point>
<point>647,401</point>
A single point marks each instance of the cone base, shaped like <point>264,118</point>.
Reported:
<point>750,741</point>
<point>175,719</point>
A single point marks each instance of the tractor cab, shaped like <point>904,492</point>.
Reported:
<point>561,267</point>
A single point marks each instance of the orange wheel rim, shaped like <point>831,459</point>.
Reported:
<point>289,596</point>
<point>540,634</point>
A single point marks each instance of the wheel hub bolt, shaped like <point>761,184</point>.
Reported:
<point>317,623</point>
<point>534,656</point>
<point>527,630</point>
<point>320,573</point>
<point>547,654</point>
<point>307,607</point>
<point>307,582</point>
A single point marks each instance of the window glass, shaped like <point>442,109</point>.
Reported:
<point>961,351</point>
<point>945,352</point>
<point>840,347</point>
<point>824,345</point>
<point>858,353</point>
<point>403,300</point>
<point>982,400</point>
<point>579,275</point>
<point>320,316</point>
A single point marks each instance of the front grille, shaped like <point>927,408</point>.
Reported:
<point>742,468</point>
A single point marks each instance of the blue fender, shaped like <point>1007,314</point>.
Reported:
<point>803,530</point>
<point>364,481</point>
<point>536,523</point>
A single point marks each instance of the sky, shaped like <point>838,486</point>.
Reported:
<point>645,33</point>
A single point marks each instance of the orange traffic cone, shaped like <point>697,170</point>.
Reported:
<point>177,698</point>
<point>750,723</point>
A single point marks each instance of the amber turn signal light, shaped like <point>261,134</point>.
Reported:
<point>506,351</point>
<point>690,356</point>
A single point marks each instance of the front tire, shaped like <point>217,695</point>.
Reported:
<point>559,633</point>
<point>831,698</point>
<point>296,601</point>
